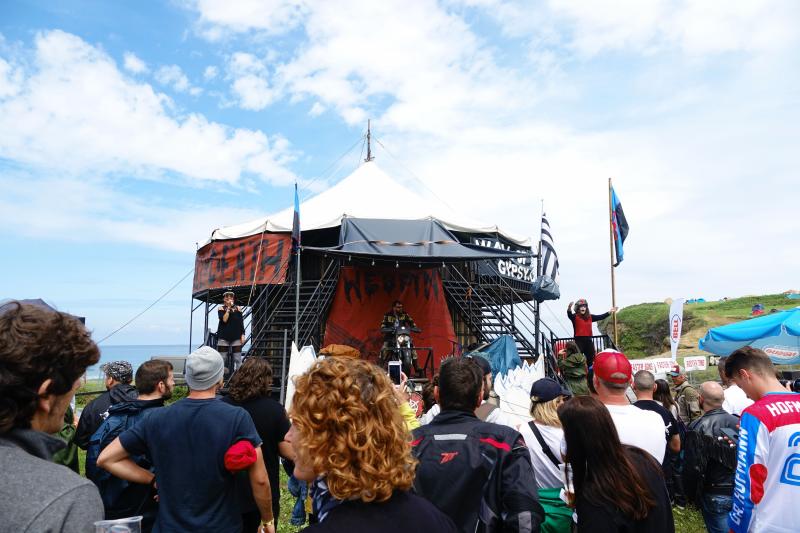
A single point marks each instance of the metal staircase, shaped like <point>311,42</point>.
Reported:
<point>273,319</point>
<point>475,297</point>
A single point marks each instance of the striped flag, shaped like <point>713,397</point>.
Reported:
<point>548,251</point>
<point>296,222</point>
<point>619,227</point>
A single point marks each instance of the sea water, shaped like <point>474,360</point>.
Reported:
<point>134,354</point>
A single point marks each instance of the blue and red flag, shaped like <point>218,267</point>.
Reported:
<point>619,226</point>
<point>296,222</point>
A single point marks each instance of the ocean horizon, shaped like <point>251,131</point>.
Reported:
<point>135,354</point>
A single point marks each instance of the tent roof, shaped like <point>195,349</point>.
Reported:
<point>366,193</point>
<point>422,240</point>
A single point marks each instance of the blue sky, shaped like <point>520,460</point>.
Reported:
<point>129,131</point>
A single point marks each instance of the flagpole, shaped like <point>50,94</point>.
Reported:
<point>536,328</point>
<point>297,284</point>
<point>611,250</point>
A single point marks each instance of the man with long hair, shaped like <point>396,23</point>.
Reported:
<point>43,355</point>
<point>767,489</point>
<point>478,473</point>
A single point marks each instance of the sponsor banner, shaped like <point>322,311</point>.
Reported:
<point>661,365</point>
<point>521,268</point>
<point>364,294</point>
<point>694,363</point>
<point>782,354</point>
<point>675,326</point>
<point>235,262</point>
<point>643,364</point>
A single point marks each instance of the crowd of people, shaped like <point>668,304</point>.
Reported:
<point>605,449</point>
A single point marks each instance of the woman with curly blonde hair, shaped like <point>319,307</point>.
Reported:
<point>352,443</point>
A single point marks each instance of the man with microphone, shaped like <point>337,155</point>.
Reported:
<point>230,332</point>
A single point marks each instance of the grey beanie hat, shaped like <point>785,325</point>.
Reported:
<point>204,368</point>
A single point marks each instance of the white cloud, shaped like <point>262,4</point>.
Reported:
<point>272,16</point>
<point>253,92</point>
<point>316,110</point>
<point>133,64</point>
<point>34,207</point>
<point>74,110</point>
<point>173,76</point>
<point>250,82</point>
<point>693,27</point>
<point>210,72</point>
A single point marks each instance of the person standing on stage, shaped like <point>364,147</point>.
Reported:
<point>230,331</point>
<point>582,321</point>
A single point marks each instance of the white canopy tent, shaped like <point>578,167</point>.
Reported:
<point>366,193</point>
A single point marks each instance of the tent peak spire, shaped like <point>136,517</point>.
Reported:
<point>369,142</point>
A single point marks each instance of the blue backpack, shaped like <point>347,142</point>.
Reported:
<point>121,417</point>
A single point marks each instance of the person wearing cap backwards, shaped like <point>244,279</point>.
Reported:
<point>196,445</point>
<point>582,321</point>
<point>636,427</point>
<point>686,396</point>
<point>230,331</point>
<point>119,375</point>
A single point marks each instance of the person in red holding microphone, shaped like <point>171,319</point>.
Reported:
<point>582,321</point>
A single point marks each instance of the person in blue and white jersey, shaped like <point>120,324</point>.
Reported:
<point>766,495</point>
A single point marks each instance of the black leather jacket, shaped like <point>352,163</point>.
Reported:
<point>705,469</point>
<point>477,473</point>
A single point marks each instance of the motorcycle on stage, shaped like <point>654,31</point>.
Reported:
<point>402,349</point>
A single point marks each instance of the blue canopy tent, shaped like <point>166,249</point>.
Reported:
<point>778,334</point>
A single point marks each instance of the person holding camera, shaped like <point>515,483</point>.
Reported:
<point>705,477</point>
<point>230,331</point>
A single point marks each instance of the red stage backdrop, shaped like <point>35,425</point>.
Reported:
<point>364,294</point>
<point>232,263</point>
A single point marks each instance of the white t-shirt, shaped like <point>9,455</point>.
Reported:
<point>548,475</point>
<point>736,400</point>
<point>640,428</point>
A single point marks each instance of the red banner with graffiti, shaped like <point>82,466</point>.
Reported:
<point>364,294</point>
<point>234,263</point>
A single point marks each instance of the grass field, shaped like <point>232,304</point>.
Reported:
<point>643,328</point>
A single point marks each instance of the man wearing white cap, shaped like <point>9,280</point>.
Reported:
<point>196,445</point>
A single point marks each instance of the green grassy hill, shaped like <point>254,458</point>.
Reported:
<point>643,329</point>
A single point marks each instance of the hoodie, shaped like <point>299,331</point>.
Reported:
<point>38,495</point>
<point>95,411</point>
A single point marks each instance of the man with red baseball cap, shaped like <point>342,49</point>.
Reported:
<point>636,427</point>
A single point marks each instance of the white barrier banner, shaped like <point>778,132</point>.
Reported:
<point>643,364</point>
<point>661,365</point>
<point>675,325</point>
<point>694,363</point>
